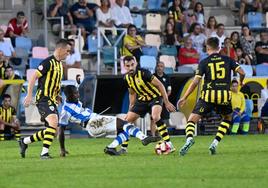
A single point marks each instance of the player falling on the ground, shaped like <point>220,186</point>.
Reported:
<point>96,125</point>
<point>215,95</point>
<point>146,94</point>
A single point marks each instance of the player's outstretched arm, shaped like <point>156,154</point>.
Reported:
<point>242,75</point>
<point>190,89</point>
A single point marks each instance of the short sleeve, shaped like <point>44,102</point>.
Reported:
<point>43,68</point>
<point>126,81</point>
<point>147,76</point>
<point>13,112</point>
<point>64,118</point>
<point>200,70</point>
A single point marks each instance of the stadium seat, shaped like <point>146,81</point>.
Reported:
<point>169,61</point>
<point>262,70</point>
<point>153,22</point>
<point>136,3</point>
<point>185,69</point>
<point>154,4</point>
<point>40,52</point>
<point>255,20</point>
<point>34,62</point>
<point>92,42</point>
<point>108,55</point>
<point>247,69</point>
<point>73,72</point>
<point>137,20</point>
<point>168,70</point>
<point>150,50</point>
<point>24,42</point>
<point>29,74</point>
<point>4,28</point>
<point>168,50</point>
<point>153,40</point>
<point>21,53</point>
<point>178,120</point>
<point>266,16</point>
<point>148,62</point>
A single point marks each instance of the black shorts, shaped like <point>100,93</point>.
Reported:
<point>141,107</point>
<point>202,108</point>
<point>165,113</point>
<point>46,107</point>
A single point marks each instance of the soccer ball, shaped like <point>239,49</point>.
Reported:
<point>162,148</point>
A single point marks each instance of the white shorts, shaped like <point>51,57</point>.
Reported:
<point>101,125</point>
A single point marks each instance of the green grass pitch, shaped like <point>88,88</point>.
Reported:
<point>241,161</point>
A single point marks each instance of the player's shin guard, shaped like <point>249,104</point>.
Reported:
<point>17,134</point>
<point>190,129</point>
<point>133,131</point>
<point>222,129</point>
<point>162,129</point>
<point>2,135</point>
<point>48,139</point>
<point>121,138</point>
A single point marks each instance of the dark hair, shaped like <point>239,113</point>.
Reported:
<point>227,38</point>
<point>233,33</point>
<point>130,27</point>
<point>234,81</point>
<point>109,3</point>
<point>211,17</point>
<point>192,27</point>
<point>69,90</point>
<point>219,25</point>
<point>128,58</point>
<point>213,42</point>
<point>6,96</point>
<point>62,43</point>
<point>245,25</point>
<point>9,67</point>
<point>195,7</point>
<point>20,13</point>
<point>71,40</point>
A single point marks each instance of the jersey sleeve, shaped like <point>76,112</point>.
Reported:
<point>126,81</point>
<point>43,68</point>
<point>13,111</point>
<point>147,76</point>
<point>64,117</point>
<point>200,70</point>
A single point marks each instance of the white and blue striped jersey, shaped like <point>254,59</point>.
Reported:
<point>74,113</point>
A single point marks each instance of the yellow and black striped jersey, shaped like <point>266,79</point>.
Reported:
<point>6,114</point>
<point>50,73</point>
<point>140,82</point>
<point>217,81</point>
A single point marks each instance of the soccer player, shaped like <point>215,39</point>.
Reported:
<point>8,118</point>
<point>215,95</point>
<point>96,125</point>
<point>146,94</point>
<point>49,74</point>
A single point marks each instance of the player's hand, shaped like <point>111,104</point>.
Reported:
<point>28,101</point>
<point>170,107</point>
<point>181,102</point>
<point>63,153</point>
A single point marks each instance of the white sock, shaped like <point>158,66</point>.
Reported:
<point>114,144</point>
<point>27,140</point>
<point>44,151</point>
<point>188,139</point>
<point>215,142</point>
<point>140,136</point>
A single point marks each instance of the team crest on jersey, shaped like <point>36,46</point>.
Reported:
<point>201,109</point>
<point>138,81</point>
<point>40,67</point>
<point>52,108</point>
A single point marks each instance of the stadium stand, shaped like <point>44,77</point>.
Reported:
<point>40,52</point>
<point>148,62</point>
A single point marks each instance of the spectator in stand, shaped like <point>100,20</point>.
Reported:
<point>165,80</point>
<point>133,43</point>
<point>104,14</point>
<point>17,27</point>
<point>262,48</point>
<point>84,16</point>
<point>211,26</point>
<point>239,106</point>
<point>176,12</point>
<point>73,60</point>
<point>60,9</point>
<point>188,56</point>
<point>199,14</point>
<point>2,66</point>
<point>170,37</point>
<point>190,18</point>
<point>265,6</point>
<point>121,14</point>
<point>9,75</point>
<point>8,119</point>
<point>228,49</point>
<point>220,34</point>
<point>198,38</point>
<point>235,39</point>
<point>242,58</point>
<point>249,6</point>
<point>248,43</point>
<point>6,46</point>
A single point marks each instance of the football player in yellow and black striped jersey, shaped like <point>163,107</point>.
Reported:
<point>49,75</point>
<point>8,118</point>
<point>146,94</point>
<point>215,95</point>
